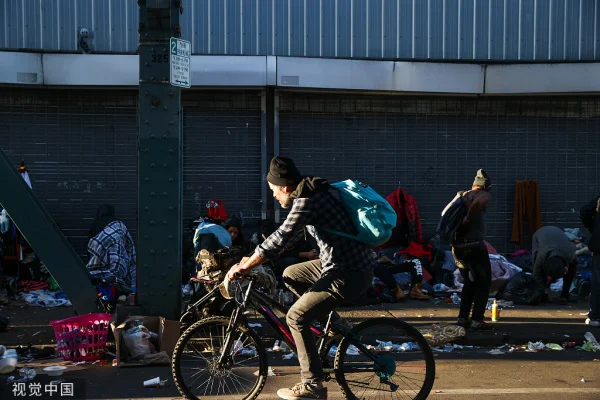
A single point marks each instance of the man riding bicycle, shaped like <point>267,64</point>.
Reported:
<point>343,271</point>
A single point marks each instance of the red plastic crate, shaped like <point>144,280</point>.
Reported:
<point>82,338</point>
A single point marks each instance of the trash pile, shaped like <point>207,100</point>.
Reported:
<point>442,333</point>
<point>45,298</point>
<point>142,344</point>
<point>590,344</point>
<point>388,347</point>
<point>281,347</point>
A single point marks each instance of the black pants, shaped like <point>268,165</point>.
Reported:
<point>386,271</point>
<point>474,257</point>
<point>595,289</point>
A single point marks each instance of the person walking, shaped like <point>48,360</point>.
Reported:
<point>472,257</point>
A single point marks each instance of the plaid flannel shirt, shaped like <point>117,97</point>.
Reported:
<point>321,210</point>
<point>112,255</point>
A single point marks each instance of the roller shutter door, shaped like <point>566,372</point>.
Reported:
<point>432,147</point>
<point>222,145</point>
<point>80,148</point>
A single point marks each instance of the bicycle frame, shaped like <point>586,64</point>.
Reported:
<point>262,304</point>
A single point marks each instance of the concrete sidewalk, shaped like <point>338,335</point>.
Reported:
<point>517,325</point>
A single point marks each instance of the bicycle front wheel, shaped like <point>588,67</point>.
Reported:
<point>195,366</point>
<point>399,363</point>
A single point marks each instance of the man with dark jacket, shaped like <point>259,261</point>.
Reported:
<point>342,273</point>
<point>589,217</point>
<point>553,258</point>
<point>471,255</point>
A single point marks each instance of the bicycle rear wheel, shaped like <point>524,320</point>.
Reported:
<point>396,373</point>
<point>194,365</point>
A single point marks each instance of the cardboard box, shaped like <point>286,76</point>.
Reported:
<point>168,333</point>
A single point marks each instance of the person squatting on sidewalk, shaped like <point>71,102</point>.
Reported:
<point>590,217</point>
<point>553,258</point>
<point>342,273</point>
<point>471,255</point>
<point>386,269</point>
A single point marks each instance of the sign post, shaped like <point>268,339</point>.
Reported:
<point>180,62</point>
<point>160,159</point>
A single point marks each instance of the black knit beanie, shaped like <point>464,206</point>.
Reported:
<point>283,172</point>
<point>482,179</point>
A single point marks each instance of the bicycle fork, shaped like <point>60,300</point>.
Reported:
<point>225,357</point>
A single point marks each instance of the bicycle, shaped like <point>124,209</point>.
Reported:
<point>226,356</point>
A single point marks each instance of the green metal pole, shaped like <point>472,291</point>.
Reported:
<point>160,166</point>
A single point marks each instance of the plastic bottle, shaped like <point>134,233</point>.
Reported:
<point>406,346</point>
<point>276,346</point>
<point>131,297</point>
<point>455,298</point>
<point>495,313</point>
<point>589,336</point>
<point>289,298</point>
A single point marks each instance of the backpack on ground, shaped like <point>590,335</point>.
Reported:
<point>373,217</point>
<point>452,218</point>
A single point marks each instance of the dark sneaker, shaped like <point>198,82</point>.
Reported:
<point>566,300</point>
<point>303,391</point>
<point>464,322</point>
<point>480,326</point>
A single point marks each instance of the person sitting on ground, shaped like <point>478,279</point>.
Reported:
<point>386,269</point>
<point>211,236</point>
<point>343,272</point>
<point>553,258</point>
<point>112,251</point>
<point>301,248</point>
<point>234,227</point>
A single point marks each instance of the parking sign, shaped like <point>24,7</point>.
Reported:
<point>181,52</point>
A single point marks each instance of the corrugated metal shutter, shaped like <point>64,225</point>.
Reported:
<point>222,147</point>
<point>80,148</point>
<point>432,147</point>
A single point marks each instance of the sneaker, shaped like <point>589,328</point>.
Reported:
<point>398,294</point>
<point>417,293</point>
<point>303,391</point>
<point>566,300</point>
<point>480,326</point>
<point>593,322</point>
<point>464,322</point>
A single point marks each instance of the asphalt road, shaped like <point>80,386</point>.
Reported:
<point>467,374</point>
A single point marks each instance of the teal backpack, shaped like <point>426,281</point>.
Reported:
<point>373,217</point>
